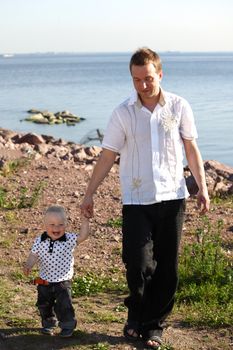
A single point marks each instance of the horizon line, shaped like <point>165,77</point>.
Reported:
<point>108,52</point>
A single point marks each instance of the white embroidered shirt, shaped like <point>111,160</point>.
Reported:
<point>150,146</point>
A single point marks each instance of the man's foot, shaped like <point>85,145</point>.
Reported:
<point>131,331</point>
<point>66,333</point>
<point>152,339</point>
<point>154,343</point>
<point>47,330</point>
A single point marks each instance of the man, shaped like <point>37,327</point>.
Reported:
<point>149,130</point>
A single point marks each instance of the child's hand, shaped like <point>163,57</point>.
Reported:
<point>31,261</point>
<point>84,229</point>
<point>26,270</point>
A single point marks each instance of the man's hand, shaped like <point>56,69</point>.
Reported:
<point>100,171</point>
<point>203,201</point>
<point>195,163</point>
<point>87,207</point>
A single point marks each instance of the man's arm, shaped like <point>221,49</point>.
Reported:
<point>100,171</point>
<point>195,163</point>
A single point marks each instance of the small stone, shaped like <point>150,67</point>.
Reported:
<point>89,167</point>
<point>85,257</point>
<point>75,194</point>
<point>24,230</point>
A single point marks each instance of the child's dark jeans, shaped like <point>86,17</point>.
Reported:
<point>55,304</point>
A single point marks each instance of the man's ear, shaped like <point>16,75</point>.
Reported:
<point>160,75</point>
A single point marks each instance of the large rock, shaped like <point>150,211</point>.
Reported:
<point>80,155</point>
<point>34,111</point>
<point>7,134</point>
<point>47,117</point>
<point>37,118</point>
<point>93,151</point>
<point>9,154</point>
<point>213,167</point>
<point>219,179</point>
<point>32,139</point>
<point>42,148</point>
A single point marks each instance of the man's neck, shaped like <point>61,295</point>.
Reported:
<point>151,102</point>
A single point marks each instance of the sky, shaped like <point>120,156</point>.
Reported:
<point>28,26</point>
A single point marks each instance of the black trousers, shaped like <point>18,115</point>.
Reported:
<point>55,304</point>
<point>151,237</point>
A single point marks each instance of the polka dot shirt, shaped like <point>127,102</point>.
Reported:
<point>55,258</point>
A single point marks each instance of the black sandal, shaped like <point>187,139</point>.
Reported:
<point>131,326</point>
<point>156,339</point>
<point>154,336</point>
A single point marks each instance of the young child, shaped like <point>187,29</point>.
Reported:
<point>53,251</point>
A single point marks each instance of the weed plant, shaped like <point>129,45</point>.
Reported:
<point>24,199</point>
<point>11,166</point>
<point>91,284</point>
<point>100,346</point>
<point>115,223</point>
<point>206,279</point>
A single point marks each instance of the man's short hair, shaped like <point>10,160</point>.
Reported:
<point>144,56</point>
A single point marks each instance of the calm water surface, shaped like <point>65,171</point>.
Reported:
<point>91,85</point>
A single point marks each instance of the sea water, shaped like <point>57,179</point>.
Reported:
<point>91,85</point>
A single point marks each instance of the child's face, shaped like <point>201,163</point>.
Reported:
<point>55,225</point>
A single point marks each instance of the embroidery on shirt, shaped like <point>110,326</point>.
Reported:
<point>168,118</point>
<point>168,122</point>
<point>136,183</point>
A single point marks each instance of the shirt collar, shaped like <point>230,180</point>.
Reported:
<point>134,99</point>
<point>45,236</point>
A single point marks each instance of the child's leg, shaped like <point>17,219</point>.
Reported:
<point>63,307</point>
<point>45,304</point>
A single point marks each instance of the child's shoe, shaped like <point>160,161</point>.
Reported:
<point>47,330</point>
<point>66,333</point>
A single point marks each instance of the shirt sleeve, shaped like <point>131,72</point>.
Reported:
<point>114,137</point>
<point>187,127</point>
<point>35,246</point>
<point>73,239</point>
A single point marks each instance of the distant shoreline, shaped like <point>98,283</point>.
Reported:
<point>109,52</point>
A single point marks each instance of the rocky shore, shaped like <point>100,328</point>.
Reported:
<point>13,145</point>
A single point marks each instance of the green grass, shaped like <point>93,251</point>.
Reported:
<point>100,346</point>
<point>206,279</point>
<point>6,295</point>
<point>7,239</point>
<point>120,308</point>
<point>11,166</point>
<point>13,196</point>
<point>91,284</point>
<point>226,200</point>
<point>205,290</point>
<point>24,197</point>
<point>115,223</point>
<point>105,317</point>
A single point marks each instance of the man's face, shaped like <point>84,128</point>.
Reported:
<point>55,226</point>
<point>146,80</point>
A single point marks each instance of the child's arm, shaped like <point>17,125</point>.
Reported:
<point>84,230</point>
<point>31,261</point>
